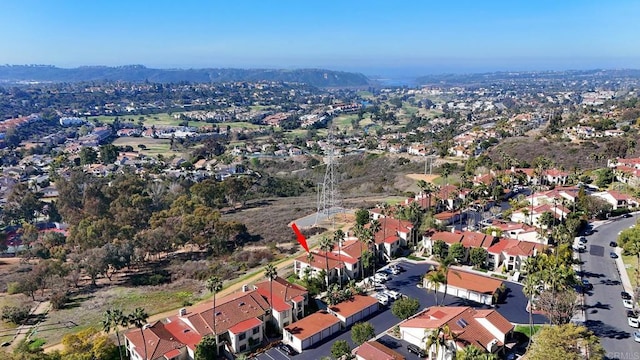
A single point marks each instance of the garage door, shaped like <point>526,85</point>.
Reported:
<point>474,296</point>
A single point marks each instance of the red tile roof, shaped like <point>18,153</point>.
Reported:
<point>283,293</point>
<point>373,350</point>
<point>159,341</point>
<point>245,325</point>
<point>447,237</point>
<point>312,324</point>
<point>465,322</point>
<point>353,306</point>
<point>470,281</point>
<point>515,247</point>
<point>230,310</point>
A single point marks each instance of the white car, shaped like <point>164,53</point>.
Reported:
<point>392,294</point>
<point>381,276</point>
<point>627,304</point>
<point>636,336</point>
<point>633,322</point>
<point>382,299</point>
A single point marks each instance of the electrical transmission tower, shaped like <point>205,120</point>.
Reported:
<point>328,197</point>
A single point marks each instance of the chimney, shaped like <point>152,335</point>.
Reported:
<point>182,312</point>
<point>245,288</point>
<point>453,229</point>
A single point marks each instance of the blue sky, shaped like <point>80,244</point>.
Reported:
<point>368,36</point>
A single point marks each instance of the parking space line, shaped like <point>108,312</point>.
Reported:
<point>283,354</point>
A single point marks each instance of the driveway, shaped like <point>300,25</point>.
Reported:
<point>405,282</point>
<point>605,314</point>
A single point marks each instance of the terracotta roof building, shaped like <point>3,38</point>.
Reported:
<point>373,350</point>
<point>469,286</point>
<point>486,329</point>
<point>311,330</point>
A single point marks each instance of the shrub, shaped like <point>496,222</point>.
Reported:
<point>13,288</point>
<point>15,314</point>
<point>59,299</point>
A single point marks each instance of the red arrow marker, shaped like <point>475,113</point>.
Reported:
<point>301,239</point>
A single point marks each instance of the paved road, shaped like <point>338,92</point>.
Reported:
<point>605,315</point>
<point>514,309</point>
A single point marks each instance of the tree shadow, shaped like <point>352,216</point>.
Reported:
<point>601,329</point>
<point>597,305</point>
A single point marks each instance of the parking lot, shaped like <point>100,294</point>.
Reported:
<point>514,309</point>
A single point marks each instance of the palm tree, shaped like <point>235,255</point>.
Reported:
<point>214,284</point>
<point>138,318</point>
<point>326,245</point>
<point>530,289</point>
<point>113,319</point>
<point>438,337</point>
<point>435,278</point>
<point>470,352</point>
<point>338,236</point>
<point>374,229</point>
<point>271,273</point>
<point>358,231</point>
<point>444,266</point>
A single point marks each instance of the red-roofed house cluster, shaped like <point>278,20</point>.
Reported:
<point>460,327</point>
<point>240,321</point>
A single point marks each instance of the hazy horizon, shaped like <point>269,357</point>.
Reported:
<point>459,36</point>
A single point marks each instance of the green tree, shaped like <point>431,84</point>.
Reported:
<point>108,154</point>
<point>472,352</point>
<point>138,318</point>
<point>477,257</point>
<point>565,342</point>
<point>214,285</point>
<point>457,252</point>
<point>206,348</point>
<point>340,348</point>
<point>113,319</point>
<point>326,245</point>
<point>530,289</point>
<point>439,249</point>
<point>405,308</point>
<point>271,273</point>
<point>629,241</point>
<point>361,332</point>
<point>88,156</point>
<point>362,217</point>
<point>435,279</point>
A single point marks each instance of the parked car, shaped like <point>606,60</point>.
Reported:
<point>382,299</point>
<point>287,349</point>
<point>586,284</point>
<point>613,255</point>
<point>580,247</point>
<point>636,336</point>
<point>613,244</point>
<point>381,275</point>
<point>392,294</point>
<point>627,215</point>
<point>632,319</point>
<point>416,350</point>
<point>628,304</point>
<point>583,240</point>
<point>625,295</point>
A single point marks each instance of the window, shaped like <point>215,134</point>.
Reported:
<point>242,336</point>
<point>243,348</point>
<point>256,330</point>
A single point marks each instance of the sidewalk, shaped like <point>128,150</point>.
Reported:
<point>42,308</point>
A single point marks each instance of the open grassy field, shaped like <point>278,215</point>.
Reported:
<point>151,119</point>
<point>86,310</point>
<point>153,146</point>
<point>344,121</point>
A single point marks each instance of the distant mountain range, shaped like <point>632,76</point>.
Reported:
<point>139,73</point>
